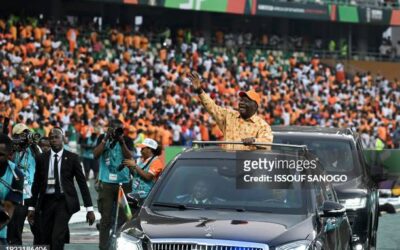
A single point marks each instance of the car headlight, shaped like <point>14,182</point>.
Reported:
<point>296,245</point>
<point>126,242</point>
<point>354,203</point>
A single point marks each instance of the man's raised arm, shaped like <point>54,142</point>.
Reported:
<point>217,112</point>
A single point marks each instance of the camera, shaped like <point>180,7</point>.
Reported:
<point>116,132</point>
<point>26,139</point>
<point>121,167</point>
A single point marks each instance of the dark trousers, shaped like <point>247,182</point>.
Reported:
<point>90,164</point>
<point>16,226</point>
<point>54,218</point>
<point>3,242</point>
<point>108,195</point>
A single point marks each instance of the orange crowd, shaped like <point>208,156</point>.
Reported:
<point>78,77</point>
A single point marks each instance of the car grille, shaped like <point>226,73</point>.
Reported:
<point>172,246</point>
<point>206,244</point>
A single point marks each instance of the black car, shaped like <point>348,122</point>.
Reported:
<point>341,151</point>
<point>197,205</point>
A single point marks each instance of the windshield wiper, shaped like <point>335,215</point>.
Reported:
<point>241,209</point>
<point>175,205</point>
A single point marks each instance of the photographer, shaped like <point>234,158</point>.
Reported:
<point>10,186</point>
<point>26,151</point>
<point>111,150</point>
<point>146,170</point>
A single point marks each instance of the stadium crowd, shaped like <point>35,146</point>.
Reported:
<point>79,77</point>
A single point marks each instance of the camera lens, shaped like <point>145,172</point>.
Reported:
<point>33,137</point>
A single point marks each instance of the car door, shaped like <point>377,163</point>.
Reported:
<point>373,198</point>
<point>335,231</point>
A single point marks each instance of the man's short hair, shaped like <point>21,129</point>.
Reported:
<point>117,122</point>
<point>208,180</point>
<point>58,129</point>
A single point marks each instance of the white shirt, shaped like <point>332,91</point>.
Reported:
<point>51,173</point>
<point>286,118</point>
<point>177,131</point>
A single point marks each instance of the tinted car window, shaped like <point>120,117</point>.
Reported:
<point>336,156</point>
<point>212,184</point>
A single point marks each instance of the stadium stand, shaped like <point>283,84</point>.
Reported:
<point>79,77</point>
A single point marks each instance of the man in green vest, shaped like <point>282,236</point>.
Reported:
<point>380,144</point>
<point>332,47</point>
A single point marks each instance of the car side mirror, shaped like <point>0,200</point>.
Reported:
<point>133,200</point>
<point>333,209</point>
<point>377,174</point>
<point>378,179</point>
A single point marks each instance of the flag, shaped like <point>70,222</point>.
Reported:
<point>123,203</point>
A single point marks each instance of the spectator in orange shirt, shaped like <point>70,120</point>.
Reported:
<point>72,37</point>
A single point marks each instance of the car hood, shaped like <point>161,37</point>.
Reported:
<point>271,229</point>
<point>351,189</point>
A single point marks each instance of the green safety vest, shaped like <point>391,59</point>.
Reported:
<point>379,144</point>
<point>109,163</point>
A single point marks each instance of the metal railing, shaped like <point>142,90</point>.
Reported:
<point>323,53</point>
<point>284,48</point>
<point>203,143</point>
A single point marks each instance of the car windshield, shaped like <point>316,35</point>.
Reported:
<point>336,156</point>
<point>212,184</point>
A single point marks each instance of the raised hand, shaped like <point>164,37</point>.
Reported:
<point>195,79</point>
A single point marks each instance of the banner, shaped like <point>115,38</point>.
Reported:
<point>293,10</point>
<point>305,10</point>
<point>203,5</point>
<point>375,16</point>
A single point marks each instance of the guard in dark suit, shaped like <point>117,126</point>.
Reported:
<point>54,193</point>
